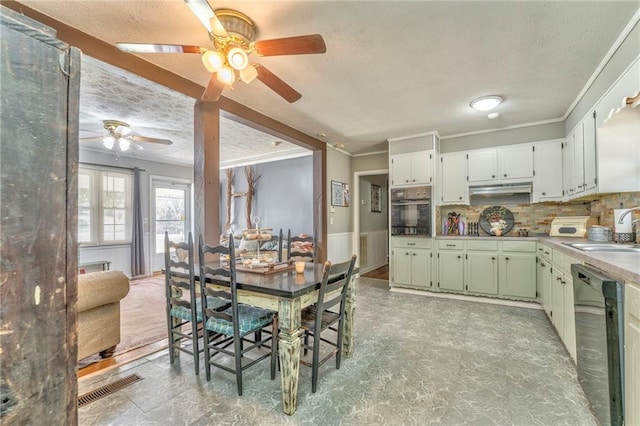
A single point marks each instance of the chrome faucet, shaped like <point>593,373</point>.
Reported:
<point>626,212</point>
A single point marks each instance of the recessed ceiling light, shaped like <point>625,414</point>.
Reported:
<point>486,103</point>
<point>493,115</point>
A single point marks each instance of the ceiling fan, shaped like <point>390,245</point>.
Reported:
<point>232,34</point>
<point>121,138</point>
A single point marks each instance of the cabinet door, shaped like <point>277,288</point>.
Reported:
<point>450,270</point>
<point>482,273</point>
<point>482,165</point>
<point>632,354</point>
<point>515,162</point>
<point>455,188</point>
<point>568,316</point>
<point>421,267</point>
<point>557,301</point>
<point>578,160</point>
<point>543,278</point>
<point>518,275</point>
<point>589,151</point>
<point>567,167</point>
<point>401,266</point>
<point>400,169</point>
<point>547,180</point>
<point>421,168</point>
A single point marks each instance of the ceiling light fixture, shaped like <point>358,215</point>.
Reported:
<point>493,115</point>
<point>123,144</point>
<point>486,103</point>
<point>237,58</point>
<point>226,76</point>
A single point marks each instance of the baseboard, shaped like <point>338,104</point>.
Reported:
<point>371,268</point>
<point>478,299</point>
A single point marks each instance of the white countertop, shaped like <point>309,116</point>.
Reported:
<point>624,266</point>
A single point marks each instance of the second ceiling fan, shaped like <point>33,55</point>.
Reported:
<point>232,34</point>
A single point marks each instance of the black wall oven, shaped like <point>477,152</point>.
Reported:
<point>411,211</point>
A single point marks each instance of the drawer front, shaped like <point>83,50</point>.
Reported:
<point>482,245</point>
<point>408,242</point>
<point>633,300</point>
<point>450,245</point>
<point>545,252</point>
<point>527,246</point>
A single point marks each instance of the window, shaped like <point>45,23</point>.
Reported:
<point>104,206</point>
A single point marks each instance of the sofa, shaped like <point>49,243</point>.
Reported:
<point>99,295</point>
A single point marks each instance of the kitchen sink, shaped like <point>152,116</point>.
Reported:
<point>603,247</point>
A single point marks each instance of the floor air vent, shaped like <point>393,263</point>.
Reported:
<point>107,390</point>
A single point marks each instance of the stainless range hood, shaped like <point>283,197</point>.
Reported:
<point>511,189</point>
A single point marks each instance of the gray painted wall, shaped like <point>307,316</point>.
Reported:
<point>339,169</point>
<point>624,56</point>
<point>284,196</point>
<point>535,133</point>
<point>372,221</point>
<point>370,162</point>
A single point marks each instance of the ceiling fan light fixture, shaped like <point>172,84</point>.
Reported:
<point>237,58</point>
<point>213,61</point>
<point>486,103</point>
<point>226,76</point>
<point>124,144</point>
<point>248,74</point>
<point>108,142</point>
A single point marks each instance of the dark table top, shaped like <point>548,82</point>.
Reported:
<point>287,284</point>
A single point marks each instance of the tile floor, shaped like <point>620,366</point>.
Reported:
<point>418,360</point>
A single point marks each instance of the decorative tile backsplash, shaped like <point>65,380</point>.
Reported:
<point>537,217</point>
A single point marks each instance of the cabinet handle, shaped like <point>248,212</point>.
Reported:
<point>459,257</point>
<point>450,245</point>
<point>559,279</point>
<point>546,252</point>
<point>493,176</point>
<point>563,282</point>
<point>539,249</point>
<point>543,265</point>
<point>413,180</point>
<point>493,258</point>
<point>506,258</point>
<point>414,254</point>
<point>544,193</point>
<point>505,175</point>
<point>460,198</point>
<point>407,254</point>
<point>411,244</point>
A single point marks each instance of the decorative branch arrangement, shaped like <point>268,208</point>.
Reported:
<point>252,180</point>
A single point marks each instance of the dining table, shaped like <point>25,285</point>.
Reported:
<point>288,292</point>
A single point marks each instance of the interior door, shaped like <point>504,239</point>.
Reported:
<point>170,212</point>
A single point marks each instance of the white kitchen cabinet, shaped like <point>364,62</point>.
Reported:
<point>547,179</point>
<point>543,278</point>
<point>411,262</point>
<point>482,165</point>
<point>562,309</point>
<point>632,353</point>
<point>589,153</point>
<point>450,260</point>
<point>517,269</point>
<point>412,169</point>
<point>481,275</point>
<point>454,188</point>
<point>515,162</point>
<point>578,159</point>
<point>567,167</point>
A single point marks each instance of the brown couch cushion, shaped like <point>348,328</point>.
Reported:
<point>101,288</point>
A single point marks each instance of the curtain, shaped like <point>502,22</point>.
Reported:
<point>137,231</point>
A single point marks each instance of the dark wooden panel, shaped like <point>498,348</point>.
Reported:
<point>37,375</point>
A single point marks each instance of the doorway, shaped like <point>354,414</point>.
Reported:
<point>170,212</point>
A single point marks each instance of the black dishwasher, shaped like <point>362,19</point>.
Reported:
<point>598,303</point>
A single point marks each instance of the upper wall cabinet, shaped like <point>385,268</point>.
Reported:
<point>501,165</point>
<point>412,169</point>
<point>547,179</point>
<point>453,180</point>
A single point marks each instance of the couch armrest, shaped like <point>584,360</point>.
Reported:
<point>101,288</point>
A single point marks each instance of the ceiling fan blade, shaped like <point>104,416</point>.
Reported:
<point>92,139</point>
<point>213,90</point>
<point>151,140</point>
<point>207,16</point>
<point>137,146</point>
<point>299,45</point>
<point>277,85</point>
<point>158,48</point>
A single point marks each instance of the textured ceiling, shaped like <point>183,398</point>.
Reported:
<point>392,68</point>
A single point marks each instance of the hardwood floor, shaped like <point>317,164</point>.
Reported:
<point>381,273</point>
<point>119,360</point>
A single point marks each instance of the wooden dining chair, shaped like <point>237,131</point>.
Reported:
<point>301,247</point>
<point>227,332</point>
<point>182,302</point>
<point>327,314</point>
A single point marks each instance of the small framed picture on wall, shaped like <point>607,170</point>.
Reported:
<point>376,194</point>
<point>339,194</point>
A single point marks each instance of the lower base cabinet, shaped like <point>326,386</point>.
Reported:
<point>518,275</point>
<point>562,311</point>
<point>411,262</point>
<point>632,354</point>
<point>450,271</point>
<point>482,273</point>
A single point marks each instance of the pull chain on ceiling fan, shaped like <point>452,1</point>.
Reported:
<point>232,34</point>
